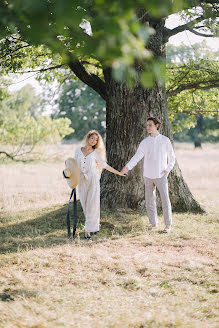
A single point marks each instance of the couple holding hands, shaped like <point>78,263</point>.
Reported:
<point>159,159</point>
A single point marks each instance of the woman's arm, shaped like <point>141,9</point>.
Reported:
<point>107,166</point>
<point>112,170</point>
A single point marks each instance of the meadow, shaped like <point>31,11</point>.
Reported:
<point>127,277</point>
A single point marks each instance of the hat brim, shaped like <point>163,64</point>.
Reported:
<point>72,166</point>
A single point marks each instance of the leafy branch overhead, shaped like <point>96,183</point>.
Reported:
<point>192,89</point>
<point>115,34</point>
<point>192,75</point>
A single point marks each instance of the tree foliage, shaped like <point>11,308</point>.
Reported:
<point>22,126</point>
<point>83,106</point>
<point>184,53</point>
<point>127,40</point>
<point>113,34</point>
<point>203,129</point>
<point>68,48</point>
<point>192,85</point>
<point>193,75</point>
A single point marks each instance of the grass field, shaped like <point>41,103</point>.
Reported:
<point>127,277</point>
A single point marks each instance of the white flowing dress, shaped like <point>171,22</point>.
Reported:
<point>89,187</point>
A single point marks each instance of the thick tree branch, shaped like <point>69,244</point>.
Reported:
<point>200,34</point>
<point>188,26</point>
<point>177,81</point>
<point>199,85</point>
<point>92,80</point>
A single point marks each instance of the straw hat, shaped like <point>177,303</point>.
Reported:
<point>71,172</point>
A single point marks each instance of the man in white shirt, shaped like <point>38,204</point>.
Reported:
<point>159,160</point>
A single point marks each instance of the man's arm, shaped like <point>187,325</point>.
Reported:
<point>134,160</point>
<point>170,156</point>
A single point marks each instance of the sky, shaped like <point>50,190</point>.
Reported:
<point>186,37</point>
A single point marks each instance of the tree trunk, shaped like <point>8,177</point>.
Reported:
<point>127,110</point>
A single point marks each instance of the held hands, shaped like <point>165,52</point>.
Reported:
<point>121,174</point>
<point>124,171</point>
<point>112,170</point>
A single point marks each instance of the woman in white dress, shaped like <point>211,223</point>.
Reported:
<point>91,160</point>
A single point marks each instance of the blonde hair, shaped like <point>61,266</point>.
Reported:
<point>100,147</point>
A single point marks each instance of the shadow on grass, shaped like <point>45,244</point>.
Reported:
<point>9,295</point>
<point>42,228</point>
<point>45,228</point>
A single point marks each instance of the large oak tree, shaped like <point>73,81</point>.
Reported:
<point>121,57</point>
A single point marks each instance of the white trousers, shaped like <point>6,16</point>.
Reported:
<point>89,193</point>
<point>150,197</point>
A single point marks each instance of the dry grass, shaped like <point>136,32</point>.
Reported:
<point>35,185</point>
<point>40,184</point>
<point>127,277</point>
<point>200,169</point>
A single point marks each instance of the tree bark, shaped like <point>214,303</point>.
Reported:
<point>127,110</point>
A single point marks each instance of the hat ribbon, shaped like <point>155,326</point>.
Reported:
<point>74,213</point>
<point>65,175</point>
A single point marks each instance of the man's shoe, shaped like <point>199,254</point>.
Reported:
<point>167,229</point>
<point>152,227</point>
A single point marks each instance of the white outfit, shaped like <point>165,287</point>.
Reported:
<point>89,187</point>
<point>158,156</point>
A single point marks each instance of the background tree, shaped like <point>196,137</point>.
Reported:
<point>195,107</point>
<point>183,53</point>
<point>185,107</point>
<point>206,129</point>
<point>23,102</point>
<point>22,126</point>
<point>126,39</point>
<point>83,106</point>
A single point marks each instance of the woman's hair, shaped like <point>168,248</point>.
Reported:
<point>100,147</point>
<point>156,120</point>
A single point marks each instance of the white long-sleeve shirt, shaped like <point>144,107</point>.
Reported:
<point>158,156</point>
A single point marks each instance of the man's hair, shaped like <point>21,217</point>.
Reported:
<point>156,120</point>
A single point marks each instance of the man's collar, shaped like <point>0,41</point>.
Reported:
<point>155,136</point>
